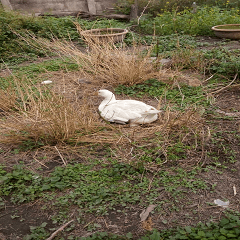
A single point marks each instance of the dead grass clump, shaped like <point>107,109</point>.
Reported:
<point>8,97</point>
<point>39,114</point>
<point>179,124</point>
<point>173,135</point>
<point>107,62</point>
<point>175,77</point>
<point>188,58</point>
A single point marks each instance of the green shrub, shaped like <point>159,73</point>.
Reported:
<point>186,22</point>
<point>12,22</point>
<point>156,6</point>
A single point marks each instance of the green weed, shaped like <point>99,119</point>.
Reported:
<point>221,151</point>
<point>37,232</point>
<point>155,88</point>
<point>222,61</point>
<point>94,190</point>
<point>186,22</point>
<point>107,236</point>
<point>227,228</point>
<point>155,7</point>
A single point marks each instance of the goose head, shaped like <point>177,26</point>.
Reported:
<point>106,95</point>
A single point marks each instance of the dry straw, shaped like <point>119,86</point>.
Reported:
<point>38,113</point>
<point>105,62</point>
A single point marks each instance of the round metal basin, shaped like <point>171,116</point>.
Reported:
<point>231,31</point>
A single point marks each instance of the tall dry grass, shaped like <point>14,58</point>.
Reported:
<point>37,113</point>
<point>105,62</point>
<point>40,115</point>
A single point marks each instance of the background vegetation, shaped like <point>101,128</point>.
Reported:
<point>155,6</point>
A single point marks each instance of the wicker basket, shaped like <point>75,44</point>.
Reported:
<point>104,35</point>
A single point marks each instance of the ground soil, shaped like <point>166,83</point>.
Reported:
<point>15,220</point>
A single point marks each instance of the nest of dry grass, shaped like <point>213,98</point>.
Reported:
<point>37,112</point>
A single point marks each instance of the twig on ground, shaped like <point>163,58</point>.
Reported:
<point>150,183</point>
<point>219,90</point>
<point>208,78</point>
<point>59,230</point>
<point>143,11</point>
<point>61,156</point>
<point>88,224</point>
<point>40,162</point>
<point>236,114</point>
<point>180,92</point>
<point>234,190</point>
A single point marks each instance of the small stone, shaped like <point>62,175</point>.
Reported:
<point>165,62</point>
<point>84,80</point>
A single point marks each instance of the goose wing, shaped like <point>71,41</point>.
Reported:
<point>125,110</point>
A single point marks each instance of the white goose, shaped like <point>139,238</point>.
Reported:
<point>125,111</point>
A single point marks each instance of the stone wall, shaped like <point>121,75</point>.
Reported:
<point>62,7</point>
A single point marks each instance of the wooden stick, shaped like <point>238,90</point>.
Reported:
<point>61,156</point>
<point>59,230</point>
<point>40,162</point>
<point>208,78</point>
<point>143,11</point>
<point>234,190</point>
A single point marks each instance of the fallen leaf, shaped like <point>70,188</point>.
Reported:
<point>148,224</point>
<point>144,214</point>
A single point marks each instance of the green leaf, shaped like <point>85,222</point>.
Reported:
<point>223,222</point>
<point>3,178</point>
<point>223,231</point>
<point>44,224</point>
<point>129,235</point>
<point>45,187</point>
<point>231,235</point>
<point>27,177</point>
<point>222,238</point>
<point>188,229</point>
<point>209,234</point>
<point>54,179</point>
<point>60,185</point>
<point>201,234</point>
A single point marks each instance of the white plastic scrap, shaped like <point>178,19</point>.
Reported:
<point>46,82</point>
<point>220,203</point>
<point>234,190</point>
